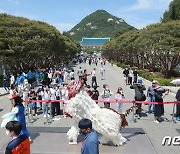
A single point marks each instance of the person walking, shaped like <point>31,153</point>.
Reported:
<point>80,72</point>
<point>130,77</point>
<point>20,143</point>
<point>150,95</point>
<point>102,72</point>
<point>94,77</point>
<point>118,97</point>
<point>135,76</point>
<point>5,82</point>
<point>12,80</point>
<point>106,96</point>
<point>139,95</point>
<point>84,77</point>
<point>72,75</point>
<point>126,73</point>
<point>90,61</point>
<point>90,144</point>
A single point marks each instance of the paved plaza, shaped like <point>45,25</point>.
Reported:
<point>144,136</point>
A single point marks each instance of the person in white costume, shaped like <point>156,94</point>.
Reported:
<point>105,121</point>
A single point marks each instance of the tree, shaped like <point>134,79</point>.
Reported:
<point>27,44</point>
<point>157,46</point>
<point>173,13</point>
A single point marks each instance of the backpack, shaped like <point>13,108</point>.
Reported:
<point>140,96</point>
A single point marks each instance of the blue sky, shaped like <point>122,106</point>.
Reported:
<point>64,14</point>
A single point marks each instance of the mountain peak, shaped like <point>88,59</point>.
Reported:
<point>99,24</point>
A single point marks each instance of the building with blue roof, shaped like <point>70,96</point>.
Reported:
<point>93,42</point>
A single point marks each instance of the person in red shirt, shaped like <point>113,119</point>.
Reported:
<point>84,77</point>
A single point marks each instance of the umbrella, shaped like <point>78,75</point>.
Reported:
<point>176,82</point>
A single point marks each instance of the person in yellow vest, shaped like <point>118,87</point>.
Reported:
<point>19,144</point>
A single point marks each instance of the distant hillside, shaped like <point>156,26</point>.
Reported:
<point>99,24</point>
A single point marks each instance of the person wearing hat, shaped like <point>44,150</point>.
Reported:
<point>17,114</point>
<point>159,108</point>
<point>139,95</point>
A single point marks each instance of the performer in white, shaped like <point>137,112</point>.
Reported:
<point>105,121</point>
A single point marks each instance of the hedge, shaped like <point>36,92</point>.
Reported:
<point>148,76</point>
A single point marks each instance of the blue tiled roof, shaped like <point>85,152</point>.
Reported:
<point>93,41</point>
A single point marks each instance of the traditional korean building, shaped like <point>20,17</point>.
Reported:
<point>93,42</point>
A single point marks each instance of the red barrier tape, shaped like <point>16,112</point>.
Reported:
<point>103,101</point>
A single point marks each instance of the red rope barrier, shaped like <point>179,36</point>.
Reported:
<point>102,101</point>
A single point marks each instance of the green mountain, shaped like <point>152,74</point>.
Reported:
<point>99,24</point>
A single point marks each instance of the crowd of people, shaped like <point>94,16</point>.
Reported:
<point>52,84</point>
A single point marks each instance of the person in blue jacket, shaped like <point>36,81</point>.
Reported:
<point>90,145</point>
<point>20,116</point>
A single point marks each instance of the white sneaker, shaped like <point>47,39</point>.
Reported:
<point>56,119</point>
<point>156,121</point>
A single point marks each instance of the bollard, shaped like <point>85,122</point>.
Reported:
<point>133,120</point>
<point>173,120</point>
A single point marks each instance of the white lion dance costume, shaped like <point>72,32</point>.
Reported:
<point>105,121</point>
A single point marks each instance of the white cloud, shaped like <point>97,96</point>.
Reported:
<point>149,4</point>
<point>64,26</point>
<point>140,23</point>
<point>2,11</point>
<point>13,1</point>
<point>141,4</point>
